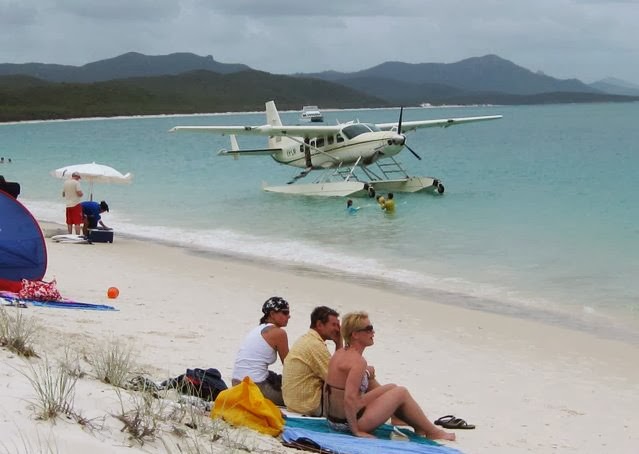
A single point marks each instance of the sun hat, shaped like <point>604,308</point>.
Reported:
<point>76,174</point>
<point>274,304</point>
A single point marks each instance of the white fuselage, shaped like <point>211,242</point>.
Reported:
<point>358,141</point>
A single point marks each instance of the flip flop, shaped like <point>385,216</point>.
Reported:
<point>457,423</point>
<point>444,419</point>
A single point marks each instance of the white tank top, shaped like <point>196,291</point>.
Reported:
<point>254,356</point>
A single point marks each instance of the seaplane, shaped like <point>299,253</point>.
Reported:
<point>350,159</point>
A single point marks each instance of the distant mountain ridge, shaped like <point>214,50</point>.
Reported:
<point>616,86</point>
<point>138,84</point>
<point>131,64</point>
<point>489,73</point>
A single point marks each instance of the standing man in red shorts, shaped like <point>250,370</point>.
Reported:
<point>72,194</point>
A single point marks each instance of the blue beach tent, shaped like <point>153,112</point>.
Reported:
<point>23,252</point>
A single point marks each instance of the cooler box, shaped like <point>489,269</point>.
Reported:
<point>101,235</point>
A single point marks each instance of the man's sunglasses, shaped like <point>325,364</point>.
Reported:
<point>368,329</point>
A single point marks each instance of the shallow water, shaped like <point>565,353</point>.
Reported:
<point>538,219</point>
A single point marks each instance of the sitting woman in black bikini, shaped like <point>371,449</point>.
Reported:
<point>351,405</point>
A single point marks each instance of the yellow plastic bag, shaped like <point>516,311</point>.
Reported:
<point>245,405</point>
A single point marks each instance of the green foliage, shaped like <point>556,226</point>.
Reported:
<point>26,98</point>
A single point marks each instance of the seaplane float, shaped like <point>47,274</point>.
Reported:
<point>350,159</point>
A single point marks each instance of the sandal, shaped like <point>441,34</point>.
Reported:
<point>444,419</point>
<point>457,423</point>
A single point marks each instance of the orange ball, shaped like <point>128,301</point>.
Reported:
<point>113,292</point>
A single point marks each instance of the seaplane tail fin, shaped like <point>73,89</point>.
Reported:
<point>273,119</point>
<point>272,116</point>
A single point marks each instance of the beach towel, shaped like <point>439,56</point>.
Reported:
<point>10,298</point>
<point>316,430</point>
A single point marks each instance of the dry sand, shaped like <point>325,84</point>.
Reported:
<point>528,387</point>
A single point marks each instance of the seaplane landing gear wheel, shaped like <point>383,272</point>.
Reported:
<point>440,188</point>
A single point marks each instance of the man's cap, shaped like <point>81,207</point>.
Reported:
<point>274,304</point>
<point>104,206</point>
<point>76,174</point>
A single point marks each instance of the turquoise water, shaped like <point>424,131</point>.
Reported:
<point>539,218</point>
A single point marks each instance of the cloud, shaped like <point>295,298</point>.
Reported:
<point>587,39</point>
<point>119,10</point>
<point>16,14</point>
<point>334,9</point>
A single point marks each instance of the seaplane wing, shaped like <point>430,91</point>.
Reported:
<point>443,123</point>
<point>264,130</point>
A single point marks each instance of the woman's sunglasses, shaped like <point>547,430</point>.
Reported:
<point>368,329</point>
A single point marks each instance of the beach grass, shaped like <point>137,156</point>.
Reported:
<point>30,445</point>
<point>18,332</point>
<point>54,388</point>
<point>71,362</point>
<point>141,414</point>
<point>112,363</point>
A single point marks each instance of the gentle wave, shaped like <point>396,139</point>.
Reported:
<point>299,255</point>
<point>288,252</point>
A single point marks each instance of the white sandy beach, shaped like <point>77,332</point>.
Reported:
<point>528,387</point>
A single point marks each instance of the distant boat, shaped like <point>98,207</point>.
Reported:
<point>312,113</point>
<point>425,104</point>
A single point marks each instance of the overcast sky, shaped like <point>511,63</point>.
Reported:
<point>586,39</point>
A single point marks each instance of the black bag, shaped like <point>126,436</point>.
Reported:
<point>275,380</point>
<point>206,384</point>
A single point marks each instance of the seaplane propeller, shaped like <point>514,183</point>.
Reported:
<point>399,131</point>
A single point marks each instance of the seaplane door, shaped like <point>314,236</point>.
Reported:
<point>307,152</point>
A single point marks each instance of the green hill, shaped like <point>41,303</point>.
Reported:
<point>26,98</point>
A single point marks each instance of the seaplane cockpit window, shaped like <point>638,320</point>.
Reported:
<point>352,131</point>
<point>339,138</point>
<point>373,127</point>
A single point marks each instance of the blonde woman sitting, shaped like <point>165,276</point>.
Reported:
<point>352,407</point>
